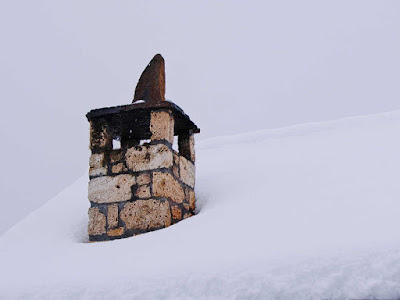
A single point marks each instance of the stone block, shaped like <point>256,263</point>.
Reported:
<point>175,171</point>
<point>176,212</point>
<point>116,156</point>
<point>96,160</point>
<point>118,168</point>
<point>96,165</point>
<point>187,215</point>
<point>109,189</point>
<point>192,149</point>
<point>164,185</point>
<point>116,232</point>
<point>143,191</point>
<point>143,178</point>
<point>175,168</point>
<point>191,199</point>
<point>185,205</point>
<point>146,214</point>
<point>187,171</point>
<point>162,126</point>
<point>112,215</point>
<point>97,222</point>
<point>176,158</point>
<point>149,157</point>
<point>100,136</point>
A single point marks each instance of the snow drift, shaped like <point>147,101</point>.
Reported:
<point>303,212</point>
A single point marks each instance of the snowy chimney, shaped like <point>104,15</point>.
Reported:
<point>138,182</point>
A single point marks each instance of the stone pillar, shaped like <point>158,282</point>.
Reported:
<point>186,145</point>
<point>100,136</point>
<point>162,126</point>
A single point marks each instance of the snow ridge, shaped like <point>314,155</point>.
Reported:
<point>299,130</point>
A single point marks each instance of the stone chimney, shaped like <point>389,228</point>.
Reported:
<point>138,183</point>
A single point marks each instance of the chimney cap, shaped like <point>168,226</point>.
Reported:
<point>183,124</point>
<point>149,96</point>
<point>151,84</point>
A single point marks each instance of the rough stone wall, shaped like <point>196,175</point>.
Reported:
<point>141,188</point>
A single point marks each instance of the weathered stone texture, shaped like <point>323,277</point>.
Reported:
<point>96,165</point>
<point>116,156</point>
<point>175,171</point>
<point>192,149</point>
<point>164,185</point>
<point>100,138</point>
<point>186,205</point>
<point>186,146</point>
<point>191,199</point>
<point>176,158</point>
<point>176,212</point>
<point>187,171</point>
<point>108,189</point>
<point>143,191</point>
<point>146,214</point>
<point>187,215</point>
<point>118,168</point>
<point>112,216</point>
<point>96,160</point>
<point>143,178</point>
<point>97,222</point>
<point>149,157</point>
<point>162,126</point>
<point>116,232</point>
<point>175,168</point>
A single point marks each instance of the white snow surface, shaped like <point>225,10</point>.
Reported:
<point>303,212</point>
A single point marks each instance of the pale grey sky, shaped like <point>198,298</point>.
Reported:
<point>233,66</point>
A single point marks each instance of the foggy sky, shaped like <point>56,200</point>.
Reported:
<point>233,66</point>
